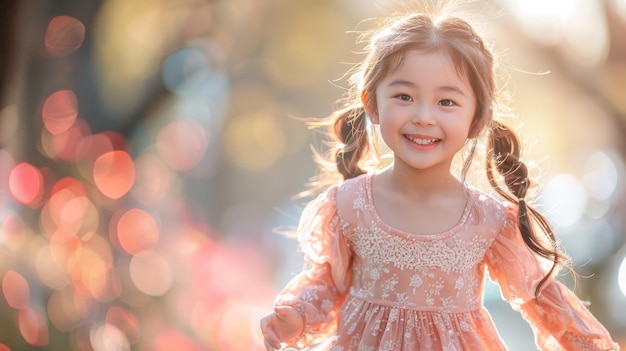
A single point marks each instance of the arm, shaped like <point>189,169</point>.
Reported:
<point>558,318</point>
<point>317,292</point>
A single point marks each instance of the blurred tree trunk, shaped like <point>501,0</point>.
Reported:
<point>8,16</point>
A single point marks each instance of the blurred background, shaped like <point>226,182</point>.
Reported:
<point>150,151</point>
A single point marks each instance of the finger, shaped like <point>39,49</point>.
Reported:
<point>269,334</point>
<point>272,345</point>
<point>269,347</point>
<point>272,340</point>
<point>282,311</point>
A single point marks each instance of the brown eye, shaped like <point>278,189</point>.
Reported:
<point>404,97</point>
<point>447,103</point>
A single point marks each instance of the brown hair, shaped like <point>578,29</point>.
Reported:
<point>351,147</point>
<point>503,155</point>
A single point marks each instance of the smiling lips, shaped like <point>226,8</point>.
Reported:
<point>422,141</point>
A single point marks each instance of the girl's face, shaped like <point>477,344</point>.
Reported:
<point>424,110</point>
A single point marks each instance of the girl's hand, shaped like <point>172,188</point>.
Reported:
<point>284,324</point>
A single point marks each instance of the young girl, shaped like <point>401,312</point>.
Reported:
<point>396,257</point>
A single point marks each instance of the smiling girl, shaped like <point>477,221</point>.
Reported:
<point>397,255</point>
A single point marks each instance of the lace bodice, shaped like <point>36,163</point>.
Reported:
<point>441,271</point>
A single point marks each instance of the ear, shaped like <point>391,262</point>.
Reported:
<point>370,106</point>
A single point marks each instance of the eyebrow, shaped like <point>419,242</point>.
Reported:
<point>450,88</point>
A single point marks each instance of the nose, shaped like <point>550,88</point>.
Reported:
<point>423,115</point>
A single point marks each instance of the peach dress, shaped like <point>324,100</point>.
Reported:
<point>370,287</point>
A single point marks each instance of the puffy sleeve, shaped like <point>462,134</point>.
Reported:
<point>559,320</point>
<point>317,292</point>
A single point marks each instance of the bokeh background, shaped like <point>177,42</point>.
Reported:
<point>150,151</point>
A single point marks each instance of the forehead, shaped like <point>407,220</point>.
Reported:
<point>435,67</point>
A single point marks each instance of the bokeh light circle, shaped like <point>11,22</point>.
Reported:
<point>151,274</point>
<point>99,279</point>
<point>91,267</point>
<point>601,176</point>
<point>26,183</point>
<point>15,290</point>
<point>64,35</point>
<point>33,327</point>
<point>63,146</point>
<point>123,321</point>
<point>136,231</point>
<point>60,111</point>
<point>67,207</point>
<point>93,146</point>
<point>114,173</point>
<point>48,271</point>
<point>107,338</point>
<point>182,144</point>
<point>62,310</point>
<point>566,199</point>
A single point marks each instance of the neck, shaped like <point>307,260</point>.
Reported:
<point>421,183</point>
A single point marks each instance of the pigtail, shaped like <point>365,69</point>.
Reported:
<point>350,130</point>
<point>503,154</point>
<point>348,146</point>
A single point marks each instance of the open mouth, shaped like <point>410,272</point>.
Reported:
<point>422,141</point>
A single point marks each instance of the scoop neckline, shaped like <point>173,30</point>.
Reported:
<point>411,235</point>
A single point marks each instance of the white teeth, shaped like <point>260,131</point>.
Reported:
<point>422,141</point>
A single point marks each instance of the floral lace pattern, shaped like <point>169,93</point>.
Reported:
<point>369,286</point>
<point>441,269</point>
<point>456,255</point>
